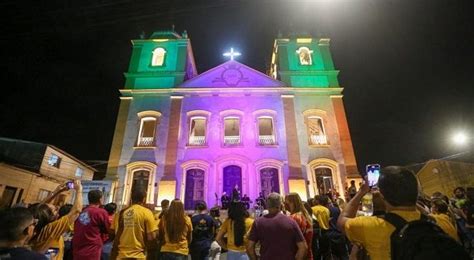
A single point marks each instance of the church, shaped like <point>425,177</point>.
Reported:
<point>193,136</point>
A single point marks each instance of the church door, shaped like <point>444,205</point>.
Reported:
<point>140,180</point>
<point>232,177</point>
<point>194,188</point>
<point>269,181</point>
<point>324,180</point>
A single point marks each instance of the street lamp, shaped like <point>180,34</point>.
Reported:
<point>460,138</point>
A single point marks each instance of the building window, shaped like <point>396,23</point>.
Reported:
<point>231,130</point>
<point>43,194</point>
<point>158,57</point>
<point>54,160</point>
<point>197,131</point>
<point>266,133</point>
<point>79,172</point>
<point>316,132</point>
<point>146,136</point>
<point>304,54</point>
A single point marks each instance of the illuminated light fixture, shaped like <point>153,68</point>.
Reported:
<point>160,40</point>
<point>304,40</point>
<point>460,138</point>
<point>232,54</point>
<point>324,41</point>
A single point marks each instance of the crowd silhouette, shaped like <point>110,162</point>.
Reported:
<point>402,224</point>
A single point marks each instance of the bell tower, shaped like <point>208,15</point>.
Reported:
<point>304,62</point>
<point>305,65</point>
<point>164,60</point>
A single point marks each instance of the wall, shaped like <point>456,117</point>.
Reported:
<point>131,153</point>
<point>67,167</point>
<point>445,176</point>
<point>309,153</point>
<point>30,182</point>
<point>248,153</point>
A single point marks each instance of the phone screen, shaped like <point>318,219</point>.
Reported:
<point>51,253</point>
<point>70,185</point>
<point>373,173</point>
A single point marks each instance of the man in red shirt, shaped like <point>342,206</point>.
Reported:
<point>89,227</point>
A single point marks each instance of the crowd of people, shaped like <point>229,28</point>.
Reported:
<point>404,225</point>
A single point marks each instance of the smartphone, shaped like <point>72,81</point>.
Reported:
<point>51,253</point>
<point>70,185</point>
<point>373,173</point>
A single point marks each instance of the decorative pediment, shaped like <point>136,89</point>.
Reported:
<point>231,74</point>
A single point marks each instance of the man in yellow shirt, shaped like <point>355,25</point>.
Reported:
<point>321,212</point>
<point>399,189</point>
<point>439,210</point>
<point>134,227</point>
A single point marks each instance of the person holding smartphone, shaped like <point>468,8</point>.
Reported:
<point>48,238</point>
<point>371,232</point>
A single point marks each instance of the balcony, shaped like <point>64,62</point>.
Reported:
<point>146,141</point>
<point>318,139</point>
<point>197,140</point>
<point>231,140</point>
<point>266,140</point>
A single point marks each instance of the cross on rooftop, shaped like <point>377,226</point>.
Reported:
<point>232,54</point>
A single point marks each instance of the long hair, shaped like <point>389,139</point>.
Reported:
<point>43,213</point>
<point>298,206</point>
<point>237,215</point>
<point>175,221</point>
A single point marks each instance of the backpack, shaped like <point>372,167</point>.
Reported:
<point>421,239</point>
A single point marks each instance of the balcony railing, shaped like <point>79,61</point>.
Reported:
<point>197,140</point>
<point>266,139</point>
<point>146,141</point>
<point>318,139</point>
<point>232,140</point>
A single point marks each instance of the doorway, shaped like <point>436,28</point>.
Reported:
<point>324,181</point>
<point>140,180</point>
<point>232,176</point>
<point>269,181</point>
<point>194,190</point>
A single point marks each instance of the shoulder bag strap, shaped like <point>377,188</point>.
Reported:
<point>396,221</point>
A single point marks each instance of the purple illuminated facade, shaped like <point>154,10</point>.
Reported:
<point>193,137</point>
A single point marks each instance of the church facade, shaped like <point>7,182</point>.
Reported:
<point>180,134</point>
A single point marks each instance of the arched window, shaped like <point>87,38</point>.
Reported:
<point>231,130</point>
<point>315,127</point>
<point>266,131</point>
<point>158,57</point>
<point>147,130</point>
<point>304,54</point>
<point>197,127</point>
<point>316,132</point>
<point>197,131</point>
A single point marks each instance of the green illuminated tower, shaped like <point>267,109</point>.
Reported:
<point>304,62</point>
<point>164,60</point>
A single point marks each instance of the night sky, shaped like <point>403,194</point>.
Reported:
<point>406,66</point>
